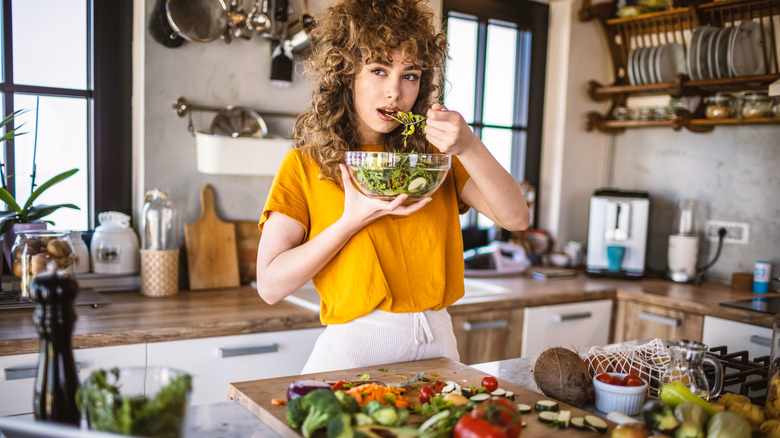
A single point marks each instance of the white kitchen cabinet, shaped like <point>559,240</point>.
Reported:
<point>737,336</point>
<point>216,362</point>
<point>573,326</point>
<point>18,380</point>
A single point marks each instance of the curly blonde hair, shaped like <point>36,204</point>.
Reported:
<point>350,34</point>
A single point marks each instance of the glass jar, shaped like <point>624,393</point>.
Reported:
<point>773,392</point>
<point>37,251</point>
<point>755,105</point>
<point>720,106</point>
<point>159,222</point>
<point>776,108</point>
<point>645,113</point>
<point>622,113</point>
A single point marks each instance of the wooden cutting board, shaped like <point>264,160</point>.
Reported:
<point>247,240</point>
<point>256,395</point>
<point>212,257</point>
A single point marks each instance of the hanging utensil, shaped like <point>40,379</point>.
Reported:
<point>197,20</point>
<point>160,29</point>
<point>237,21</point>
<point>257,19</point>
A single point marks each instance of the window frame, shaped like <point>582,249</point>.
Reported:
<point>527,15</point>
<point>109,90</point>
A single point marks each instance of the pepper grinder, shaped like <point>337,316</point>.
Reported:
<point>57,381</point>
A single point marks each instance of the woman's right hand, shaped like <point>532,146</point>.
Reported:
<point>360,210</point>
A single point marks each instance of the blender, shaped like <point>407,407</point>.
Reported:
<point>684,242</point>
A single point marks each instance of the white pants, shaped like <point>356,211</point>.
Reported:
<point>383,338</point>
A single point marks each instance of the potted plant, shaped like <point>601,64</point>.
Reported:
<point>28,216</point>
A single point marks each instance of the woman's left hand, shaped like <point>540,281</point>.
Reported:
<point>448,131</point>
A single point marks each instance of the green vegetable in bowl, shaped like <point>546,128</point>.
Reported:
<point>108,409</point>
<point>402,178</point>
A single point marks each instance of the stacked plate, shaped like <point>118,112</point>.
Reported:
<point>656,64</point>
<point>716,53</point>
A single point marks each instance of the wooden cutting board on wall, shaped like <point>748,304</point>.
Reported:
<point>212,256</point>
<point>247,240</point>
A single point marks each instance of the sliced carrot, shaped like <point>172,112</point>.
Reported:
<point>277,401</point>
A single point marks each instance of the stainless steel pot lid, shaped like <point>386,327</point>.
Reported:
<point>238,121</point>
<point>197,20</point>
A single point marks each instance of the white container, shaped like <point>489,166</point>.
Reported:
<point>683,254</point>
<point>224,155</point>
<point>626,399</point>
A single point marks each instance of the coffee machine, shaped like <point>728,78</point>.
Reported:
<point>617,233</point>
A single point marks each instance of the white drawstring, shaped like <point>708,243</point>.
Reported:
<point>422,329</point>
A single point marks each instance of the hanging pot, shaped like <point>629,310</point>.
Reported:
<point>197,20</point>
<point>160,29</point>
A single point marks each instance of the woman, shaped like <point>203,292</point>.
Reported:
<point>385,271</point>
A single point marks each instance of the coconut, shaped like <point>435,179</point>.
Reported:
<point>563,375</point>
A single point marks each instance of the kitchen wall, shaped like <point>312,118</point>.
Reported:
<point>731,172</point>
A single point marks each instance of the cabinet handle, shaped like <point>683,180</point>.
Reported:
<point>485,325</point>
<point>246,351</point>
<point>665,320</point>
<point>761,340</point>
<point>561,317</point>
<point>29,372</point>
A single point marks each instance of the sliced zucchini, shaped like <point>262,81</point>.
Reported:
<point>510,395</point>
<point>479,397</point>
<point>548,417</point>
<point>596,423</point>
<point>524,408</point>
<point>564,417</point>
<point>466,392</point>
<point>448,388</point>
<point>577,423</point>
<point>546,405</point>
<point>417,184</point>
<point>524,423</point>
<point>498,393</point>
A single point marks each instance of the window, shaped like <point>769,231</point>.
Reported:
<point>495,79</point>
<point>70,59</point>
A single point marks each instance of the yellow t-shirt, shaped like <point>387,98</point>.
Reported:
<point>396,264</point>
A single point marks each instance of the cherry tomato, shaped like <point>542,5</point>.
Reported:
<point>495,418</point>
<point>605,378</point>
<point>437,386</point>
<point>633,380</point>
<point>426,393</point>
<point>618,381</point>
<point>490,383</point>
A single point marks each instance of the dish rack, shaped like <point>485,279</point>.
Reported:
<point>742,375</point>
<point>676,25</point>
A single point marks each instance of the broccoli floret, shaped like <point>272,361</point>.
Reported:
<point>386,416</point>
<point>348,403</point>
<point>339,426</point>
<point>372,406</point>
<point>362,419</point>
<point>320,405</point>
<point>295,412</point>
<point>403,417</point>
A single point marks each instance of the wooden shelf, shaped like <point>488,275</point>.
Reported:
<point>624,34</point>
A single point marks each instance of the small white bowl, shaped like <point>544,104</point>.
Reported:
<point>627,399</point>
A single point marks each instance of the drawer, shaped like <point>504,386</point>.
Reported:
<point>574,326</point>
<point>18,380</point>
<point>737,336</point>
<point>216,362</point>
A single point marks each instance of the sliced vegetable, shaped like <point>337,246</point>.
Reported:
<point>510,395</point>
<point>301,387</point>
<point>564,417</point>
<point>546,405</point>
<point>524,408</point>
<point>596,423</point>
<point>577,423</point>
<point>498,393</point>
<point>479,397</point>
<point>548,416</point>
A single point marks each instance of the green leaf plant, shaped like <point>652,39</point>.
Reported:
<point>28,213</point>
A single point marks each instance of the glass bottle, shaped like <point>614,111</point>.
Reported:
<point>756,105</point>
<point>159,222</point>
<point>57,381</point>
<point>685,218</point>
<point>773,392</point>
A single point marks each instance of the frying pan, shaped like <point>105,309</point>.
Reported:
<point>197,20</point>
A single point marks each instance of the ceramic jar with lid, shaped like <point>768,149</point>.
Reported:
<point>720,106</point>
<point>755,105</point>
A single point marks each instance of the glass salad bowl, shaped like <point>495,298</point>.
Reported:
<point>385,175</point>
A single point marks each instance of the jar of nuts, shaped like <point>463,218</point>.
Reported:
<point>756,105</point>
<point>720,106</point>
<point>38,251</point>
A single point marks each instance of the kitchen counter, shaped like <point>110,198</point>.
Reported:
<point>132,318</point>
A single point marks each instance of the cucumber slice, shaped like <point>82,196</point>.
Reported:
<point>510,395</point>
<point>448,388</point>
<point>499,393</point>
<point>524,408</point>
<point>577,423</point>
<point>417,184</point>
<point>548,417</point>
<point>564,417</point>
<point>479,397</point>
<point>596,423</point>
<point>546,405</point>
<point>524,423</point>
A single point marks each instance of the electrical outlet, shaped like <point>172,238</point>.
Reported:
<point>736,232</point>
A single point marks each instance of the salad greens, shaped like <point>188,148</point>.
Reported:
<point>411,123</point>
<point>405,177</point>
<point>109,410</point>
